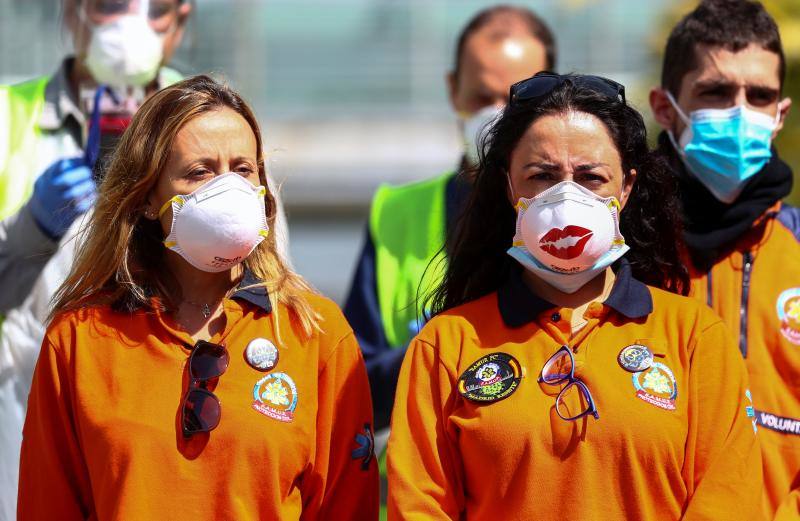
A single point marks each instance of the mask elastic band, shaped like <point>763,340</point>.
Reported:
<point>178,199</point>
<point>511,189</point>
<point>681,113</point>
<point>778,114</point>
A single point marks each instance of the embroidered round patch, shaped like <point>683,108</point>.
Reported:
<point>261,354</point>
<point>788,307</point>
<point>657,386</point>
<point>490,379</point>
<point>275,395</point>
<point>635,358</point>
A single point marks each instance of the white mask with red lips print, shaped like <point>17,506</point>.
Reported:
<point>567,235</point>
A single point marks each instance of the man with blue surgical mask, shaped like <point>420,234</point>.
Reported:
<point>720,105</point>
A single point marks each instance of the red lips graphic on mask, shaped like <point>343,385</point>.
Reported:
<point>565,243</point>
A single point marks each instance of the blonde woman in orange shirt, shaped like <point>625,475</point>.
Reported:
<point>187,371</point>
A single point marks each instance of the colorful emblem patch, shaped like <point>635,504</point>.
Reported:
<point>750,411</point>
<point>366,447</point>
<point>656,386</point>
<point>275,395</point>
<point>788,307</point>
<point>490,379</point>
<point>635,358</point>
<point>261,354</point>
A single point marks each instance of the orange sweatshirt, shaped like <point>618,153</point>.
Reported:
<point>673,441</point>
<point>756,291</point>
<point>103,437</point>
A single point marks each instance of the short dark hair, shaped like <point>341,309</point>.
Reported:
<point>731,24</point>
<point>537,27</point>
<point>478,262</point>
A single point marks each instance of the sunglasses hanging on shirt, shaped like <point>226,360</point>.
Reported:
<point>201,409</point>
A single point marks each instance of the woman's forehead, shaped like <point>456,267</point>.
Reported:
<point>218,129</point>
<point>565,136</point>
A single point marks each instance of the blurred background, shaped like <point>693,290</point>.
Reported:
<point>351,93</point>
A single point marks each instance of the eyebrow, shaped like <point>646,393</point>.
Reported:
<point>213,160</point>
<point>725,84</point>
<point>710,84</point>
<point>589,166</point>
<point>550,167</point>
<point>244,159</point>
<point>553,167</point>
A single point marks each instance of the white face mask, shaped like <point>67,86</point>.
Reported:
<point>124,52</point>
<point>218,225</point>
<point>567,235</point>
<point>474,129</point>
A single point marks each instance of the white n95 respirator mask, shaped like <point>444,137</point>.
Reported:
<point>475,128</point>
<point>567,235</point>
<point>218,225</point>
<point>124,52</point>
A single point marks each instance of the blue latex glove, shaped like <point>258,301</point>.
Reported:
<point>61,194</point>
<point>67,189</point>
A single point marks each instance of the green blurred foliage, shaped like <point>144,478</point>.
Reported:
<point>787,14</point>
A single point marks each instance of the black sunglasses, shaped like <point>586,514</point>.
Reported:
<point>560,369</point>
<point>201,409</point>
<point>544,83</point>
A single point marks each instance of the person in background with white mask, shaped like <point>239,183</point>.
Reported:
<point>46,167</point>
<point>178,301</point>
<point>561,372</point>
<point>58,129</point>
<point>720,105</point>
<point>407,224</point>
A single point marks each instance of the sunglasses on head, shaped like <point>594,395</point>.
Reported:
<point>544,83</point>
<point>201,409</point>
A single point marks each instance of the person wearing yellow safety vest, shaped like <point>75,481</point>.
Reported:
<point>47,150</point>
<point>47,182</point>
<point>498,47</point>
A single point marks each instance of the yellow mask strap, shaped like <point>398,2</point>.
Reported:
<point>178,199</point>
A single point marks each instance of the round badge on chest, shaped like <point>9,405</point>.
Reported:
<point>635,358</point>
<point>261,354</point>
<point>491,378</point>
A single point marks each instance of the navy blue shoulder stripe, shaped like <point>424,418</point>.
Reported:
<point>789,216</point>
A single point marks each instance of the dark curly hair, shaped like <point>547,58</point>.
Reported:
<point>478,263</point>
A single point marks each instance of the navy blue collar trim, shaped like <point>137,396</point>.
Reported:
<point>257,295</point>
<point>519,305</point>
<point>629,296</point>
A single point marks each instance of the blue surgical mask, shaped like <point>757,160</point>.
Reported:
<point>723,148</point>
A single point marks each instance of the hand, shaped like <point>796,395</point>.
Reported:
<point>62,193</point>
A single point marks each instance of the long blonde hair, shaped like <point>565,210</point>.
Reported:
<point>120,258</point>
